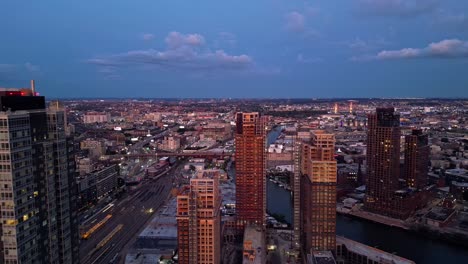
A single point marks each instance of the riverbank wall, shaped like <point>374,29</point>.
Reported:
<point>421,230</point>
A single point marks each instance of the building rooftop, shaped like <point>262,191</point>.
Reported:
<point>321,257</point>
<point>458,173</point>
<point>372,253</point>
<point>159,238</point>
<point>254,246</point>
<point>164,224</point>
<point>440,214</point>
<point>149,257</point>
<point>136,258</point>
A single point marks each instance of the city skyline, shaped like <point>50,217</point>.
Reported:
<point>259,181</point>
<point>234,132</point>
<point>360,48</point>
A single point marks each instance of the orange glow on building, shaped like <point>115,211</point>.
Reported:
<point>199,220</point>
<point>250,169</point>
<point>318,192</point>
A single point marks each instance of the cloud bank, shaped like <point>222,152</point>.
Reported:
<point>445,49</point>
<point>183,52</point>
<point>449,48</point>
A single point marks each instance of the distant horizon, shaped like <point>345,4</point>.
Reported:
<point>236,98</point>
<point>257,98</point>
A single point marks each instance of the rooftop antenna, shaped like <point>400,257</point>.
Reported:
<point>33,88</point>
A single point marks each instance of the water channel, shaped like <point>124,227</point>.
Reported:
<point>410,245</point>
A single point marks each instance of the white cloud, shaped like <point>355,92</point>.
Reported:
<point>452,48</point>
<point>406,53</point>
<point>183,52</point>
<point>176,40</point>
<point>359,44</point>
<point>295,21</point>
<point>148,36</point>
<point>449,48</point>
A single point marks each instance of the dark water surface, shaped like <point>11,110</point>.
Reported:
<point>409,245</point>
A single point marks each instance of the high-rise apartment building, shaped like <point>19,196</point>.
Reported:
<point>199,221</point>
<point>37,182</point>
<point>296,195</point>
<point>417,159</point>
<point>383,160</point>
<point>250,157</point>
<point>318,203</point>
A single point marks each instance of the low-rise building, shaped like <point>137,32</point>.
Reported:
<point>85,166</point>
<point>458,179</point>
<point>217,131</point>
<point>170,143</point>
<point>439,217</point>
<point>96,117</point>
<point>95,147</point>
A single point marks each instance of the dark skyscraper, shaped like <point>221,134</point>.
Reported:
<point>250,159</point>
<point>37,178</point>
<point>319,193</point>
<point>383,159</point>
<point>416,159</point>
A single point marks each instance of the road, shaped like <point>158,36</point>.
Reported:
<point>140,144</point>
<point>133,213</point>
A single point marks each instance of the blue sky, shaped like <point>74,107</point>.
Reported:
<point>261,48</point>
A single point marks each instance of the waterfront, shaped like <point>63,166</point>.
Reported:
<point>407,244</point>
<point>274,134</point>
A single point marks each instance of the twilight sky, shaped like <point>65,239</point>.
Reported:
<point>213,48</point>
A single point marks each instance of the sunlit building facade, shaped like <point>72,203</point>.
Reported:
<point>250,157</point>
<point>318,207</point>
<point>199,221</point>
